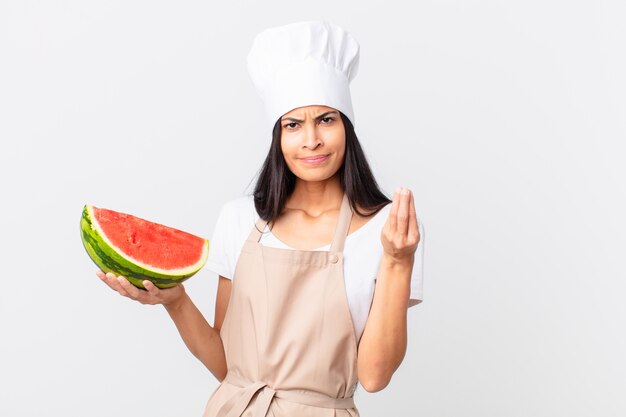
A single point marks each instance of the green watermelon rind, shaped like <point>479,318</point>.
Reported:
<point>107,258</point>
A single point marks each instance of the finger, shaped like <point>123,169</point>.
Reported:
<point>100,274</point>
<point>112,282</point>
<point>152,289</point>
<point>413,226</point>
<point>132,291</point>
<point>393,212</point>
<point>403,213</point>
<point>109,279</point>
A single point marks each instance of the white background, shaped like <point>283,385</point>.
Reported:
<point>506,119</point>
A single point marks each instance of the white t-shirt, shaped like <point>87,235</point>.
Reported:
<point>362,252</point>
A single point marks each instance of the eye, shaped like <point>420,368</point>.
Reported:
<point>291,125</point>
<point>330,119</point>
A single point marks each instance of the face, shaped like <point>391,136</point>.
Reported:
<point>313,142</point>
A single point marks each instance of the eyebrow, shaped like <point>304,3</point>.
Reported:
<point>321,116</point>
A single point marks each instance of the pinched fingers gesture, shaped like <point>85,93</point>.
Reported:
<point>400,235</point>
<point>152,295</point>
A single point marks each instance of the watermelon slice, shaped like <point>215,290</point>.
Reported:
<point>139,249</point>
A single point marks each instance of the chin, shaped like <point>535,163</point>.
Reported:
<point>311,177</point>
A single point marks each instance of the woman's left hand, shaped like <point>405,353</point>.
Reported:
<point>400,234</point>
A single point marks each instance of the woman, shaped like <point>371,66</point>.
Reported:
<point>299,320</point>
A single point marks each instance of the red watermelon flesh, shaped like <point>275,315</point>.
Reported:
<point>150,243</point>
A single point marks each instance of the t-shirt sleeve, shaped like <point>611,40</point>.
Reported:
<point>221,245</point>
<point>417,277</point>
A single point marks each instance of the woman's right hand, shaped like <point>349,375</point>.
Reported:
<point>152,295</point>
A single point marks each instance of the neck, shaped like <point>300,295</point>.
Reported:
<point>316,197</point>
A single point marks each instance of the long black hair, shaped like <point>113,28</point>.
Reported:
<point>276,182</point>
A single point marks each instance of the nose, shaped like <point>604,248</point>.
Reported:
<point>312,139</point>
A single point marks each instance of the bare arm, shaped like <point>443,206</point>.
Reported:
<point>201,339</point>
<point>384,340</point>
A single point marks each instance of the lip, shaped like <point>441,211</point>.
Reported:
<point>314,160</point>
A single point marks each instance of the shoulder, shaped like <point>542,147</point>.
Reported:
<point>378,219</point>
<point>235,220</point>
<point>236,216</point>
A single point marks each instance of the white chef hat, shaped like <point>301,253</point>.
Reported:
<point>303,64</point>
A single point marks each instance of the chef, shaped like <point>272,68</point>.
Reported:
<point>317,267</point>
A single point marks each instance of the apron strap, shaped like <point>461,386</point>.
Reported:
<point>257,230</point>
<point>341,230</point>
<point>343,226</point>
